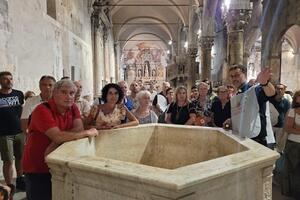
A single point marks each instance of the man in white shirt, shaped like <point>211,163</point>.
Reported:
<point>152,92</point>
<point>46,85</point>
<point>160,102</point>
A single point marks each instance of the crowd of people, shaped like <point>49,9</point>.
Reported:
<point>32,128</point>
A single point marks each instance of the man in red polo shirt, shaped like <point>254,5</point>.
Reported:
<point>51,124</point>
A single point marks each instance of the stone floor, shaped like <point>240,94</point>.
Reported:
<point>22,196</point>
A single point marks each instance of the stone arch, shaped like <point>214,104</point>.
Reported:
<point>174,7</point>
<point>147,33</point>
<point>166,28</point>
<point>289,67</point>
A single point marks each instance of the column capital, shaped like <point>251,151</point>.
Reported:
<point>100,4</point>
<point>206,42</point>
<point>102,9</point>
<point>192,52</point>
<point>237,19</point>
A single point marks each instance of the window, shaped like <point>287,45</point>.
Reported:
<point>51,8</point>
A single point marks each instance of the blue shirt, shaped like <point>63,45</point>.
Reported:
<point>282,106</point>
<point>128,103</point>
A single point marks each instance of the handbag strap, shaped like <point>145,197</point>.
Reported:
<point>294,117</point>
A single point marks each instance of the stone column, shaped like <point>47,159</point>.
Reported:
<point>191,64</point>
<point>106,56</point>
<point>274,62</point>
<point>112,57</point>
<point>236,20</point>
<point>97,43</point>
<point>100,8</point>
<point>206,43</point>
<point>117,60</point>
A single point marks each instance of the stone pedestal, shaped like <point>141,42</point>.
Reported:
<point>162,162</point>
<point>206,43</point>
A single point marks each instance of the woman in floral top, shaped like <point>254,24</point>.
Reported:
<point>202,106</point>
<point>111,114</point>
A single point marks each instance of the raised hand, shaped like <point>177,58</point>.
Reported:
<point>264,76</point>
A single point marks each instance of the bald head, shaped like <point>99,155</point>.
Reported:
<point>124,86</point>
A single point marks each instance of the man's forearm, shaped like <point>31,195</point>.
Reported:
<point>66,136</point>
<point>269,89</point>
<point>24,126</point>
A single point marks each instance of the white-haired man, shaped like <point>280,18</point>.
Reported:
<point>52,123</point>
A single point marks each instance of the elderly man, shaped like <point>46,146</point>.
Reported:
<point>82,104</point>
<point>127,102</point>
<point>160,101</point>
<point>134,88</point>
<point>11,136</point>
<point>263,92</point>
<point>52,123</point>
<point>46,85</point>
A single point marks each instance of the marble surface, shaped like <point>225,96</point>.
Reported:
<point>162,162</point>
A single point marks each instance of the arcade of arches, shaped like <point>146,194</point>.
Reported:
<point>182,41</point>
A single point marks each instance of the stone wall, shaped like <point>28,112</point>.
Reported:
<point>290,67</point>
<point>33,43</point>
<point>278,17</point>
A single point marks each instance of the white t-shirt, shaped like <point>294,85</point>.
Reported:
<point>153,94</point>
<point>294,137</point>
<point>162,102</point>
<point>30,105</point>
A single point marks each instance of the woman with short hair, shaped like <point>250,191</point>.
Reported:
<point>143,112</point>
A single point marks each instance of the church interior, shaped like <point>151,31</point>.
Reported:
<point>149,42</point>
<point>181,41</point>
